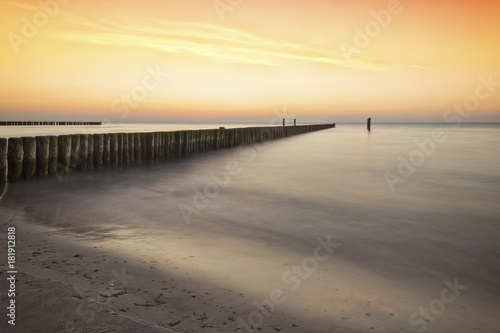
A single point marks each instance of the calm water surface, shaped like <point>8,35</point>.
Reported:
<point>252,217</point>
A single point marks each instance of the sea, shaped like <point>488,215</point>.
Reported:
<point>396,229</point>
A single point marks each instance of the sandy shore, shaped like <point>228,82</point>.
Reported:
<point>65,284</point>
<point>60,289</point>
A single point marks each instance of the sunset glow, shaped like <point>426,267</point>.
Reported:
<point>391,59</point>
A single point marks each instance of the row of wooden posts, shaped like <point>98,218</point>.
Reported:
<point>42,156</point>
<point>48,123</point>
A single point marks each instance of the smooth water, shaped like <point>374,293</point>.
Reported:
<point>409,216</point>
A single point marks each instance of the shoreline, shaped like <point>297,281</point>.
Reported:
<point>90,287</point>
<point>52,285</point>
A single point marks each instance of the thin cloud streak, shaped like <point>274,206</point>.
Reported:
<point>195,38</point>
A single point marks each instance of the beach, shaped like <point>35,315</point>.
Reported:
<point>233,166</point>
<point>69,286</point>
<point>301,234</point>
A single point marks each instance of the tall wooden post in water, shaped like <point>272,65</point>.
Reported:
<point>369,124</point>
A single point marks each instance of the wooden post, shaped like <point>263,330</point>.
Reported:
<point>84,152</point>
<point>295,122</point>
<point>113,150</point>
<point>90,153</point>
<point>369,124</point>
<point>137,148</point>
<point>150,143</point>
<point>131,147</point>
<point>3,160</point>
<point>42,156</point>
<point>125,149</point>
<point>106,146</point>
<point>98,151</point>
<point>283,122</point>
<point>144,149</point>
<point>168,145</point>
<point>53,154</point>
<point>29,157</point>
<point>120,149</point>
<point>75,151</point>
<point>64,153</point>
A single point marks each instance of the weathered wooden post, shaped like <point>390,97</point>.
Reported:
<point>283,122</point>
<point>168,145</point>
<point>186,142</point>
<point>224,138</point>
<point>3,160</point>
<point>29,157</point>
<point>193,141</point>
<point>172,145</point>
<point>131,145</point>
<point>295,122</point>
<point>137,148</point>
<point>216,138</point>
<point>113,150</point>
<point>120,149</point>
<point>42,156</point>
<point>75,151</point>
<point>156,145</point>
<point>144,147</point>
<point>178,143</point>
<point>125,150</point>
<point>230,139</point>
<point>98,151</point>
<point>90,154</point>
<point>106,146</point>
<point>198,141</point>
<point>64,153</point>
<point>53,154</point>
<point>369,124</point>
<point>150,143</point>
<point>208,140</point>
<point>202,137</point>
<point>84,152</point>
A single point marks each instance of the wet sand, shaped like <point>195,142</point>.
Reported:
<point>79,285</point>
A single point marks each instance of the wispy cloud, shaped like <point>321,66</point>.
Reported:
<point>205,40</point>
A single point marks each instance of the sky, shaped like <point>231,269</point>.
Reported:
<point>239,59</point>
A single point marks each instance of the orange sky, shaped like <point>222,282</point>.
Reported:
<point>95,57</point>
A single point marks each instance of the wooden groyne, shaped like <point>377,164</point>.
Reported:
<point>43,156</point>
<point>48,123</point>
